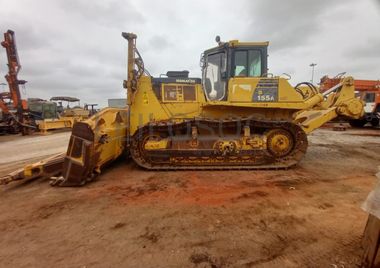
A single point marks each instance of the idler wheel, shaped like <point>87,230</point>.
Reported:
<point>279,142</point>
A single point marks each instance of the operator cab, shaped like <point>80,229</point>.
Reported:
<point>229,60</point>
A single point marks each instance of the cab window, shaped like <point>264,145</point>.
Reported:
<point>247,63</point>
<point>369,97</point>
<point>213,83</point>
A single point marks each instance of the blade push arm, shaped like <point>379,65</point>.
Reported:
<point>340,100</point>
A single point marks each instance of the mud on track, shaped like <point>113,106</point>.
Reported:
<point>306,216</point>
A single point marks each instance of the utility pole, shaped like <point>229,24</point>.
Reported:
<point>312,65</point>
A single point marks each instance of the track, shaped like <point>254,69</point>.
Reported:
<point>204,156</point>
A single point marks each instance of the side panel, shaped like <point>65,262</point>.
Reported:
<point>145,105</point>
<point>267,90</point>
<point>172,101</point>
<point>262,91</point>
<point>181,100</point>
<point>241,89</point>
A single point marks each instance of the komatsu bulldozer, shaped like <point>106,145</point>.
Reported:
<point>238,116</point>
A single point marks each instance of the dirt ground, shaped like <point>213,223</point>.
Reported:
<point>308,216</point>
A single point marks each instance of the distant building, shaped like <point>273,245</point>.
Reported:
<point>117,103</point>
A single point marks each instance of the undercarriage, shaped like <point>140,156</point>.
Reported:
<point>215,144</point>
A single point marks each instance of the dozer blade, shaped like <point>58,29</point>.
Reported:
<point>94,143</point>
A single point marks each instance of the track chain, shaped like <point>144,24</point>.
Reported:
<point>291,159</point>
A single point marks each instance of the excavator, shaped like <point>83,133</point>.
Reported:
<point>238,116</point>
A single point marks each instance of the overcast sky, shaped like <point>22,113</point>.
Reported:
<point>75,48</point>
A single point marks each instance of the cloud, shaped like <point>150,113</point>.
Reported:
<point>287,24</point>
<point>75,48</point>
<point>111,13</point>
<point>365,50</point>
<point>159,42</point>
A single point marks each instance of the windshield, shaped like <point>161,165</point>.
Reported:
<point>212,76</point>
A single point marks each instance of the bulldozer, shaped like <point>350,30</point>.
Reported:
<point>237,116</point>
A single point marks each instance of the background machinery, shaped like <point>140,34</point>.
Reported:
<point>68,111</point>
<point>25,116</point>
<point>15,114</point>
<point>40,109</point>
<point>65,116</point>
<point>90,107</point>
<point>236,117</point>
<point>367,91</point>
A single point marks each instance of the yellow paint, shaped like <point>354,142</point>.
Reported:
<point>290,104</point>
<point>63,122</point>
<point>241,89</point>
<point>308,109</point>
<point>156,144</point>
<point>109,127</point>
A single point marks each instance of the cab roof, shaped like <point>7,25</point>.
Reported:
<point>237,43</point>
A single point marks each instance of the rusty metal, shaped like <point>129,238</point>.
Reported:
<point>19,121</point>
<point>339,127</point>
<point>81,144</point>
<point>64,98</point>
<point>183,155</point>
<point>49,167</point>
<point>93,144</point>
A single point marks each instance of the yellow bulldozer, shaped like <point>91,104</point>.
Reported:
<point>238,116</point>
